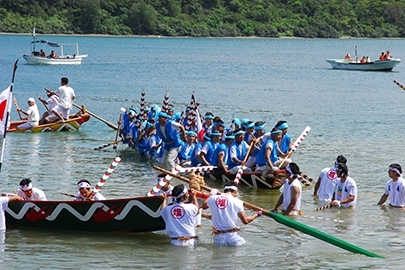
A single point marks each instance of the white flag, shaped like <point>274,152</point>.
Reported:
<point>5,106</point>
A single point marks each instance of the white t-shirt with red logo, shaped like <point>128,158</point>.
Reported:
<point>180,219</point>
<point>225,209</point>
<point>328,183</point>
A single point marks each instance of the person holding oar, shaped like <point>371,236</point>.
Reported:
<point>238,152</point>
<point>395,188</point>
<point>52,102</point>
<point>226,209</point>
<point>85,192</point>
<point>32,115</point>
<point>181,217</point>
<point>168,131</point>
<point>290,199</point>
<point>66,96</point>
<point>267,158</point>
<point>346,189</point>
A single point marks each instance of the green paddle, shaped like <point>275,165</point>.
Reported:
<point>285,220</point>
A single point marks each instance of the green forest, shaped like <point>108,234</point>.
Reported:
<point>207,18</point>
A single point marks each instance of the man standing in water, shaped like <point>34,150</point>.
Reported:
<point>226,209</point>
<point>325,186</point>
<point>395,188</point>
<point>181,217</point>
<point>346,189</point>
<point>290,199</point>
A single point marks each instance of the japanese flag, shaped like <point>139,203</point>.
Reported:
<point>5,106</point>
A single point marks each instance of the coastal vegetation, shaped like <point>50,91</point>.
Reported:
<point>207,18</point>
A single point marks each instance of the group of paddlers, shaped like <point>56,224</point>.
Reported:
<point>169,139</point>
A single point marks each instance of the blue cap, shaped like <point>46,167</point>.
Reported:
<point>239,132</point>
<point>245,120</point>
<point>229,137</point>
<point>221,123</point>
<point>163,114</point>
<point>283,126</point>
<point>208,116</point>
<point>215,134</point>
<point>278,131</point>
<point>236,121</point>
<point>191,132</point>
<point>249,125</point>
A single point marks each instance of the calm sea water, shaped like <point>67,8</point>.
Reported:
<point>357,114</point>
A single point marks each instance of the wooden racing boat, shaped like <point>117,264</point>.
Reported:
<point>72,124</point>
<point>258,180</point>
<point>129,214</point>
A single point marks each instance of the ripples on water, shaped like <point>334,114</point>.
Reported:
<point>357,114</point>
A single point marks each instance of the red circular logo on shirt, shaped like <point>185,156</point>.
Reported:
<point>177,212</point>
<point>221,202</point>
<point>331,175</point>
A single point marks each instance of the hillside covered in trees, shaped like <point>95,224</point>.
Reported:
<point>207,18</point>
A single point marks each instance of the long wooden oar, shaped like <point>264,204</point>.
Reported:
<point>296,144</point>
<point>285,220</point>
<point>323,207</point>
<point>107,144</point>
<point>111,125</point>
<point>17,108</point>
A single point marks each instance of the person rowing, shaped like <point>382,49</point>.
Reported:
<point>85,192</point>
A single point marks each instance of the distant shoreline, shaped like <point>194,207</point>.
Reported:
<point>154,36</point>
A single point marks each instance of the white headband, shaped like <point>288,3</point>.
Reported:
<point>288,169</point>
<point>231,187</point>
<point>26,187</point>
<point>83,185</point>
<point>396,170</point>
<point>185,190</point>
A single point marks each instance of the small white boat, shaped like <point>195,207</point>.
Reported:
<point>66,54</point>
<point>353,64</point>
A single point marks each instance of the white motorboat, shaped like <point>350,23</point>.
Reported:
<point>65,53</point>
<point>353,64</point>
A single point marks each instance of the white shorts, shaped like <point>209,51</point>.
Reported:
<point>62,111</point>
<point>231,239</point>
<point>26,125</point>
<point>190,242</point>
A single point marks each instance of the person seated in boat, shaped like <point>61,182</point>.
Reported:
<point>209,147</point>
<point>170,111</point>
<point>187,149</point>
<point>267,159</point>
<point>221,155</point>
<point>382,56</point>
<point>387,55</point>
<point>53,55</point>
<point>30,193</point>
<point>368,60</point>
<point>42,53</point>
<point>347,57</point>
<point>363,60</point>
<point>237,153</point>
<point>32,115</point>
<point>85,192</point>
<point>52,101</point>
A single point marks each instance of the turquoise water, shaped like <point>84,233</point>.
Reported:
<point>357,114</point>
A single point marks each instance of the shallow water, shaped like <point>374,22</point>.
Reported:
<point>357,114</point>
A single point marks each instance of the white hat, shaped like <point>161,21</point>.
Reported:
<point>31,100</point>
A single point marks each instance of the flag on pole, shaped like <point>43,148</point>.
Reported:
<point>199,126</point>
<point>5,108</point>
